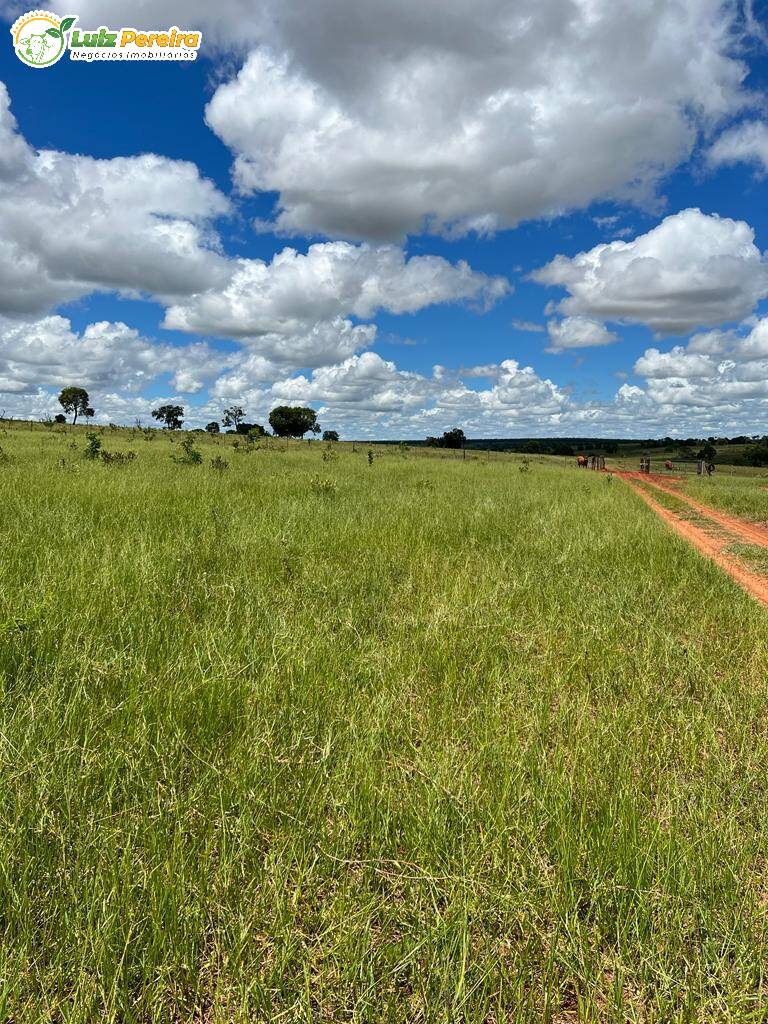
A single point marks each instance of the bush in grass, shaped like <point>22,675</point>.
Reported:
<point>323,486</point>
<point>117,458</point>
<point>191,456</point>
<point>93,446</point>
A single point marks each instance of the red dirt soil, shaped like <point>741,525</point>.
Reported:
<point>707,545</point>
<point>751,533</point>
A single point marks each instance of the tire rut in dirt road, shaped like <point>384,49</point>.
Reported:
<point>711,545</point>
<point>750,533</point>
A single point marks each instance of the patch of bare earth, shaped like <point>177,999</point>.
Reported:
<point>711,534</point>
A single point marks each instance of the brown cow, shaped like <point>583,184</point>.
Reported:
<point>582,461</point>
<point>669,464</point>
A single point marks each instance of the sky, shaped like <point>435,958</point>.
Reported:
<point>540,218</point>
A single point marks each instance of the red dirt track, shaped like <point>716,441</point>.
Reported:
<point>712,545</point>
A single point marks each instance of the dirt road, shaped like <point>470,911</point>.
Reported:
<point>711,532</point>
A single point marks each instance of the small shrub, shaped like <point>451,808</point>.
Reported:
<point>5,458</point>
<point>249,445</point>
<point>93,446</point>
<point>117,458</point>
<point>323,486</point>
<point>370,456</point>
<point>191,456</point>
<point>329,455</point>
<point>219,464</point>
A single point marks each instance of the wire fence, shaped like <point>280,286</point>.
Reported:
<point>682,467</point>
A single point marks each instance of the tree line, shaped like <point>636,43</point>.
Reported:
<point>285,420</point>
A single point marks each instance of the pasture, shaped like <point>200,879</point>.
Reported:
<point>318,737</point>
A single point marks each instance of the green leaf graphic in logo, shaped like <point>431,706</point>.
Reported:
<point>53,32</point>
<point>67,23</point>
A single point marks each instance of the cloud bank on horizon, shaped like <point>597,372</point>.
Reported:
<point>405,149</point>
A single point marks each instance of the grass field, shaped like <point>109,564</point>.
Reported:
<point>417,740</point>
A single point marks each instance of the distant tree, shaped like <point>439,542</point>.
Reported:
<point>170,415</point>
<point>708,453</point>
<point>451,439</point>
<point>330,435</point>
<point>561,448</point>
<point>256,430</point>
<point>454,438</point>
<point>250,428</point>
<point>212,427</point>
<point>75,401</point>
<point>754,455</point>
<point>233,416</point>
<point>533,448</point>
<point>90,412</point>
<point>293,421</point>
<point>60,418</point>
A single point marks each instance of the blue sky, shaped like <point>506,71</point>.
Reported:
<point>347,211</point>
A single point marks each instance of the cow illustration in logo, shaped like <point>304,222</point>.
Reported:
<point>39,38</point>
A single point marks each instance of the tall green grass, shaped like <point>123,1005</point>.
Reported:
<point>426,740</point>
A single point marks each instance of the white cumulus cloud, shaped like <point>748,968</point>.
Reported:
<point>692,270</point>
<point>460,117</point>
<point>47,352</point>
<point>745,143</point>
<point>331,279</point>
<point>577,332</point>
<point>72,225</point>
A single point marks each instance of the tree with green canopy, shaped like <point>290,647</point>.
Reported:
<point>76,401</point>
<point>293,420</point>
